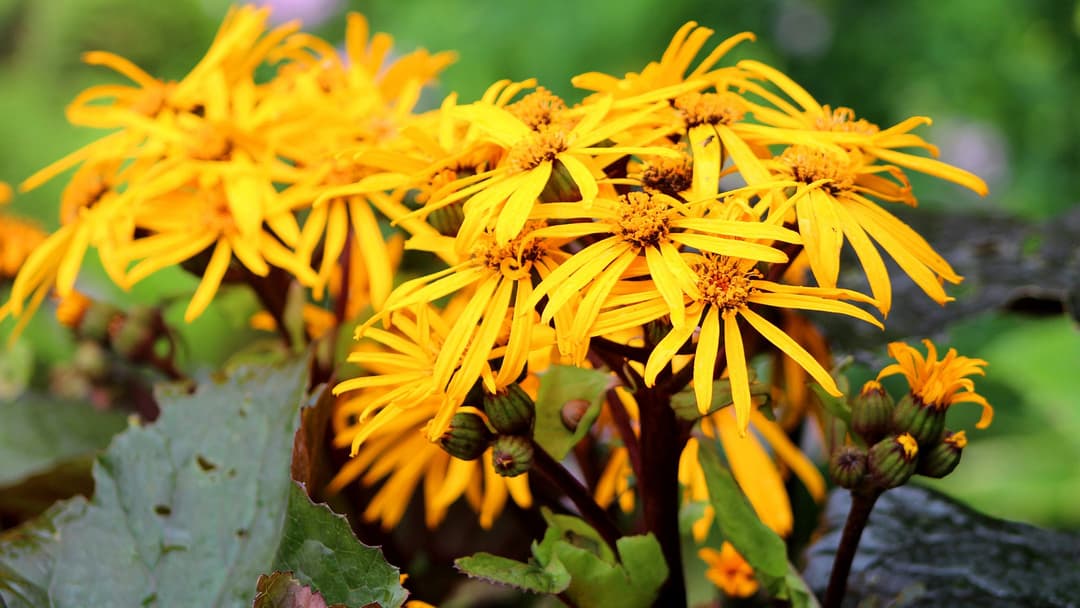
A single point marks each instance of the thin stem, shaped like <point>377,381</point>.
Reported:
<point>272,291</point>
<point>862,503</point>
<point>556,474</point>
<point>662,440</point>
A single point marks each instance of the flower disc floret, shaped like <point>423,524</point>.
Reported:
<point>724,282</point>
<point>548,143</point>
<point>812,164</point>
<point>842,120</point>
<point>513,259</point>
<point>538,109</point>
<point>710,108</point>
<point>644,220</point>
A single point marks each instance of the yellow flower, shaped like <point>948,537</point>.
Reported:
<point>670,70</point>
<point>729,571</point>
<point>788,124</point>
<point>835,205</point>
<point>647,232</point>
<point>18,238</point>
<point>727,287</point>
<point>5,193</point>
<point>400,456</point>
<point>495,280</point>
<point>939,384</point>
<point>566,139</point>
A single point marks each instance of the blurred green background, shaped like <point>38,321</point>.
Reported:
<point>998,77</point>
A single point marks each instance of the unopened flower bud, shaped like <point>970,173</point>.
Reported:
<point>134,335</point>
<point>924,422</point>
<point>871,412</point>
<point>91,360</point>
<point>847,467</point>
<point>940,460</point>
<point>511,411</point>
<point>512,455</point>
<point>891,461</point>
<point>467,438</point>
<point>90,319</point>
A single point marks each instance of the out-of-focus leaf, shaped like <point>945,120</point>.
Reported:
<point>191,510</point>
<point>27,555</point>
<point>31,496</point>
<point>531,577</point>
<point>685,402</point>
<point>39,433</point>
<point>836,406</point>
<point>281,590</point>
<point>759,545</point>
<point>319,547</point>
<point>935,551</point>
<point>559,385</point>
<point>16,368</point>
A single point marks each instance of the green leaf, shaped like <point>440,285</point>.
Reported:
<point>39,433</point>
<point>740,525</point>
<point>27,554</point>
<point>571,530</point>
<point>632,583</point>
<point>191,510</point>
<point>319,547</point>
<point>531,577</point>
<point>281,590</point>
<point>558,385</point>
<point>798,593</point>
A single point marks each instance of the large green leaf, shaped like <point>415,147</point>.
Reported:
<point>740,525</point>
<point>39,433</point>
<point>923,549</point>
<point>558,386</point>
<point>191,510</point>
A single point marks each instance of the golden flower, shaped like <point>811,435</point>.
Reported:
<point>729,571</point>
<point>671,69</point>
<point>18,238</point>
<point>937,383</point>
<point>787,123</point>
<point>726,290</point>
<point>834,205</point>
<point>400,456</point>
<point>646,230</point>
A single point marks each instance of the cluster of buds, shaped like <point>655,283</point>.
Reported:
<point>903,439</point>
<point>136,335</point>
<point>504,423</point>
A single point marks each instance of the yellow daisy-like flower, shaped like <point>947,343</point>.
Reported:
<point>649,230</point>
<point>672,67</point>
<point>18,238</point>
<point>496,280</point>
<point>727,289</point>
<point>836,206</point>
<point>570,139</point>
<point>729,571</point>
<point>400,456</point>
<point>939,384</point>
<point>788,124</point>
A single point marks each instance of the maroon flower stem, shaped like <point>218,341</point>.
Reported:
<point>619,415</point>
<point>662,440</point>
<point>862,503</point>
<point>556,474</point>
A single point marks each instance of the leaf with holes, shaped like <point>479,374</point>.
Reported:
<point>191,510</point>
<point>563,388</point>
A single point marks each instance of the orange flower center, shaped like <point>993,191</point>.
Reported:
<point>545,145</point>
<point>644,219</point>
<point>669,175</point>
<point>513,259</point>
<point>725,282</point>
<point>710,108</point>
<point>537,109</point>
<point>810,164</point>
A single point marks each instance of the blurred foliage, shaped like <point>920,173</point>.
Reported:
<point>999,77</point>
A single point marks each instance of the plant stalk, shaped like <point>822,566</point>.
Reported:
<point>862,503</point>
<point>557,475</point>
